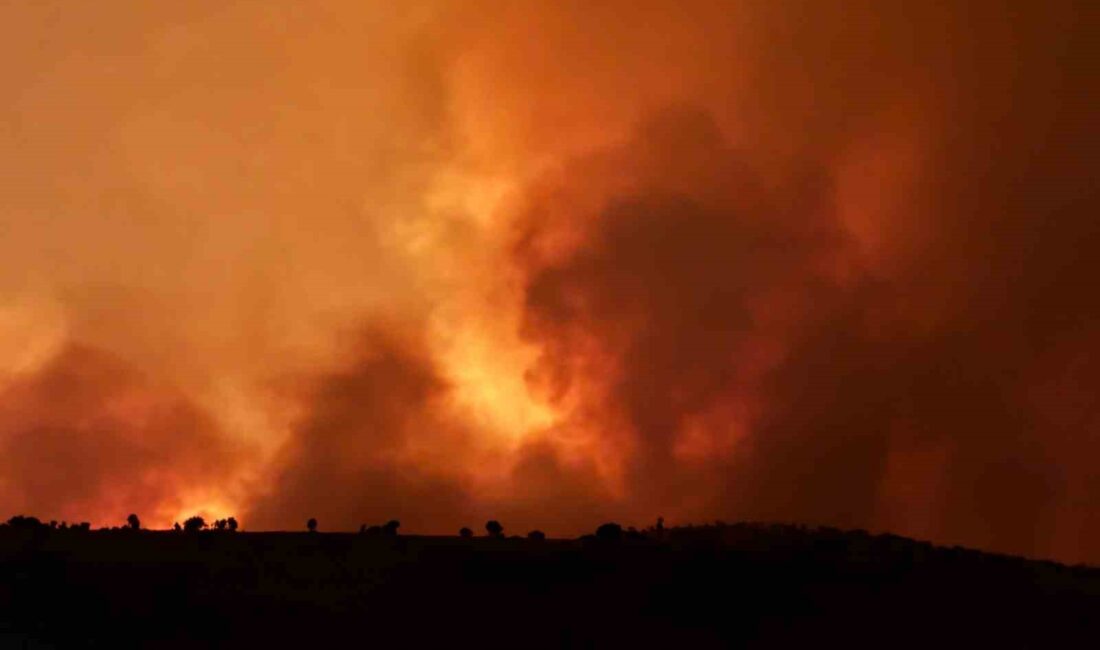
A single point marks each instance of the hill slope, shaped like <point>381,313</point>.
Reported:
<point>740,585</point>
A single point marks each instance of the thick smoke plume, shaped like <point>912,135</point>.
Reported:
<point>554,263</point>
<point>88,437</point>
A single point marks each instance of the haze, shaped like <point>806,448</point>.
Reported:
<point>553,264</point>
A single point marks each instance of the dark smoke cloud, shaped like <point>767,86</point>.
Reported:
<point>824,262</point>
<point>379,438</point>
<point>903,395</point>
<point>665,282</point>
<point>665,288</point>
<point>718,328</point>
<point>547,492</point>
<point>88,437</point>
<point>368,445</point>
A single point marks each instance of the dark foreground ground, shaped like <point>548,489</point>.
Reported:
<point>736,586</point>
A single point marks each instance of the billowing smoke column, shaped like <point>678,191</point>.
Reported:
<point>554,263</point>
<point>88,436</point>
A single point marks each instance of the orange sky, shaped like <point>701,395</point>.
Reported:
<point>552,264</point>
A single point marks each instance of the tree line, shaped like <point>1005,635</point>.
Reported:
<point>493,528</point>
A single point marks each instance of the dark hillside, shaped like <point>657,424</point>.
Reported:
<point>739,585</point>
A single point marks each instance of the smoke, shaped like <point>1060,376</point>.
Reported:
<point>827,300</point>
<point>89,437</point>
<point>554,263</point>
<point>370,446</point>
<point>207,194</point>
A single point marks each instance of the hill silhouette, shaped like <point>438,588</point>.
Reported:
<point>742,585</point>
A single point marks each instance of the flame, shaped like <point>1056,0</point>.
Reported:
<point>245,194</point>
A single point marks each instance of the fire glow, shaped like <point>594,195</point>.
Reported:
<point>553,264</point>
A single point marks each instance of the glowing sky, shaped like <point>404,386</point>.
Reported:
<point>553,264</point>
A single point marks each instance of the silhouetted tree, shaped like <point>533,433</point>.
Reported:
<point>311,525</point>
<point>177,527</point>
<point>133,522</point>
<point>21,521</point>
<point>391,527</point>
<point>494,528</point>
<point>609,532</point>
<point>536,536</point>
<point>465,533</point>
<point>53,524</point>
<point>231,523</point>
<point>83,527</point>
<point>659,529</point>
<point>194,524</point>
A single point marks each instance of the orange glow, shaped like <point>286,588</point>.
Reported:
<point>558,262</point>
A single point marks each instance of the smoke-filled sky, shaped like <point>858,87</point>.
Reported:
<point>554,263</point>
